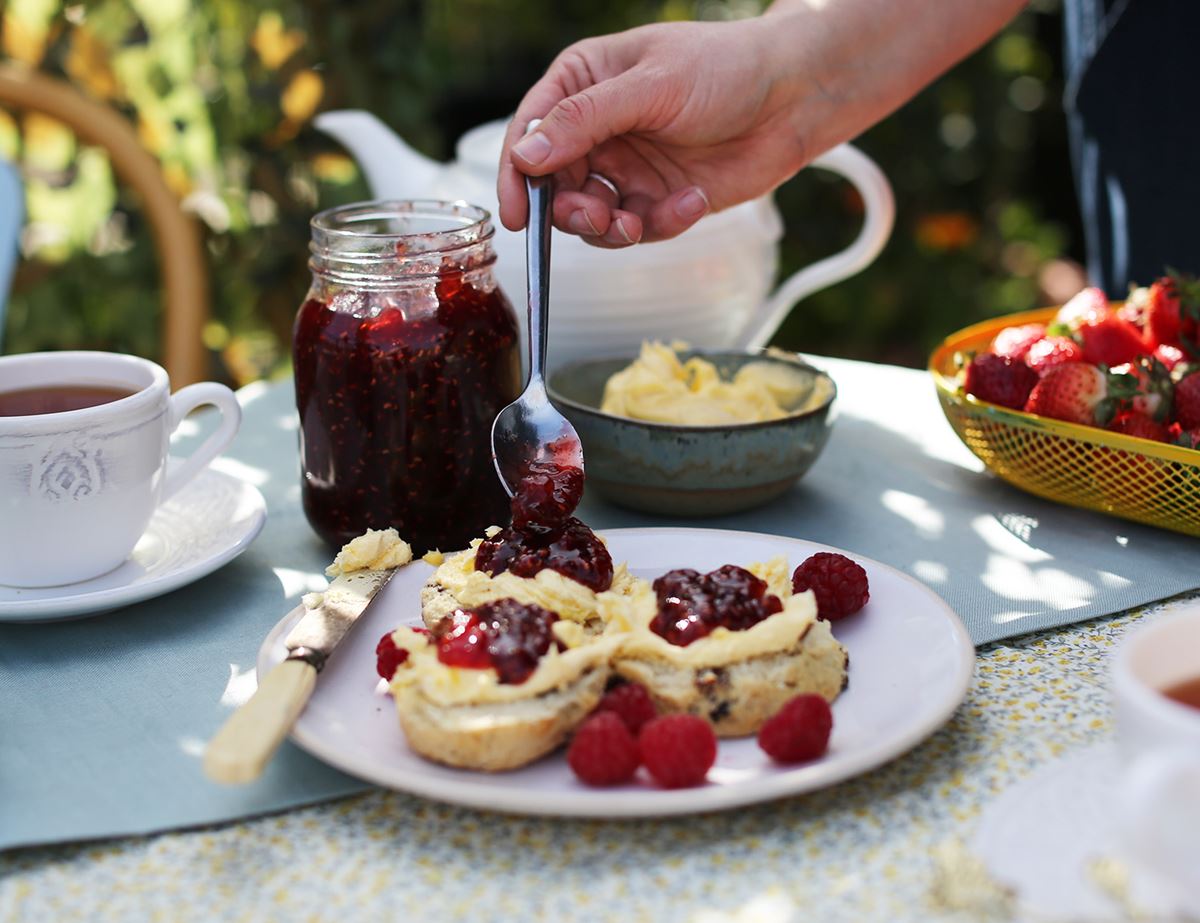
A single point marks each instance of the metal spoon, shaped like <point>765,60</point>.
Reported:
<point>530,429</point>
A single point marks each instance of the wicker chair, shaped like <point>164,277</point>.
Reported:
<point>176,235</point>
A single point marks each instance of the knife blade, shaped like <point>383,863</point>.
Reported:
<point>245,743</point>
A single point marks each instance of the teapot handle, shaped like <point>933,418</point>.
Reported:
<point>879,213</point>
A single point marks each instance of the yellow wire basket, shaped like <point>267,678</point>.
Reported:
<point>1138,479</point>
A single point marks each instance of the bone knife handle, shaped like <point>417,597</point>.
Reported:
<point>240,750</point>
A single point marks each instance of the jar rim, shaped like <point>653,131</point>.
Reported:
<point>454,224</point>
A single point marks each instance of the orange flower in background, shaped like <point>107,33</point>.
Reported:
<point>298,102</point>
<point>946,230</point>
<point>87,63</point>
<point>301,96</point>
<point>24,32</point>
<point>334,168</point>
<point>272,42</point>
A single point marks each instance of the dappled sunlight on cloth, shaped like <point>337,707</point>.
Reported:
<point>298,582</point>
<point>925,519</point>
<point>241,685</point>
<point>248,473</point>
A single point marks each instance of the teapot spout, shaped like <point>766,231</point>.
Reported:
<point>392,168</point>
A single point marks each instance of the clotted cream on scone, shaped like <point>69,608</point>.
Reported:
<point>505,684</point>
<point>731,646</point>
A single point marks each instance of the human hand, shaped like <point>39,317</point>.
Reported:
<point>686,118</point>
<point>683,118</point>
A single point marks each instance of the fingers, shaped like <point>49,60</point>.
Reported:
<point>580,122</point>
<point>582,214</point>
<point>510,182</point>
<point>596,219</point>
<point>671,216</point>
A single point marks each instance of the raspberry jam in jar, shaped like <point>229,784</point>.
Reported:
<point>404,352</point>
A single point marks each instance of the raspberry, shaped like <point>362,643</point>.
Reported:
<point>799,731</point>
<point>839,584</point>
<point>679,750</point>
<point>388,657</point>
<point>603,751</point>
<point>631,703</point>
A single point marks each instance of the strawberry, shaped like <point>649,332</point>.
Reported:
<point>1014,342</point>
<point>1187,402</point>
<point>1110,341</point>
<point>1087,307</point>
<point>1162,315</point>
<point>1132,423</point>
<point>999,380</point>
<point>1051,351</point>
<point>1188,438</point>
<point>1079,393</point>
<point>1134,308</point>
<point>1154,389</point>
<point>1186,289</point>
<point>1169,356</point>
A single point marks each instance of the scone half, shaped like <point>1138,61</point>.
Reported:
<point>494,737</point>
<point>736,679</point>
<point>470,718</point>
<point>738,697</point>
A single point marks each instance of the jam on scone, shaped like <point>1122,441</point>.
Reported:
<point>506,636</point>
<point>691,604</point>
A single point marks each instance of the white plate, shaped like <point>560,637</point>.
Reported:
<point>208,523</point>
<point>910,665</point>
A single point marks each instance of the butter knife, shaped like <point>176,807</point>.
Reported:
<point>248,739</point>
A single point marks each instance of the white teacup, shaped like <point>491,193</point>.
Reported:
<point>78,487</point>
<point>1158,740</point>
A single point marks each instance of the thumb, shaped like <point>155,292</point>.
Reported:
<point>579,123</point>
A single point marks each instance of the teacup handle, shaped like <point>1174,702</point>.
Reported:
<point>1155,820</point>
<point>879,214</point>
<point>183,402</point>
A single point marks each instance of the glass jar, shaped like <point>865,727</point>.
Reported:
<point>404,352</point>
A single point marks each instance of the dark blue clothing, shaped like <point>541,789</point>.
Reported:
<point>1133,108</point>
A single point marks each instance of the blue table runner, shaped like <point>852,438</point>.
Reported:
<point>103,720</point>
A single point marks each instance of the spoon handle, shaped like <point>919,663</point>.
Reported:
<point>537,261</point>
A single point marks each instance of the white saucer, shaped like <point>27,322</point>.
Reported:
<point>910,665</point>
<point>208,523</point>
<point>1045,836</point>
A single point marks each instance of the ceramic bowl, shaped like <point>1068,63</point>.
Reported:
<point>691,470</point>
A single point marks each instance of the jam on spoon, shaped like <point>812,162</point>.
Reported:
<point>544,534</point>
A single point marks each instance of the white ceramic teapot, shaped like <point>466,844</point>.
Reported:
<point>710,286</point>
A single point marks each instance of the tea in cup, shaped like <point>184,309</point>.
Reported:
<point>83,459</point>
<point>1156,684</point>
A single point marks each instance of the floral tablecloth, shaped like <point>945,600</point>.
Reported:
<point>874,848</point>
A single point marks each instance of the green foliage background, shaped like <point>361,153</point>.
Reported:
<point>222,91</point>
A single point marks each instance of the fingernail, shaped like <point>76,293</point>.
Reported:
<point>533,149</point>
<point>580,222</point>
<point>692,204</point>
<point>620,223</point>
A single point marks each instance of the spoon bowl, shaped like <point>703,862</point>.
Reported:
<point>530,429</point>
